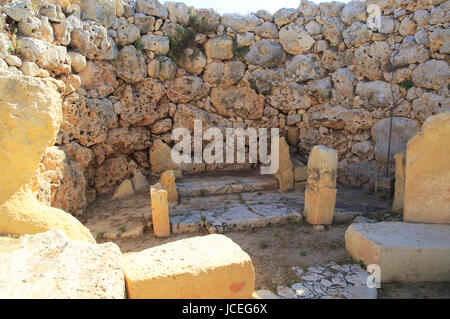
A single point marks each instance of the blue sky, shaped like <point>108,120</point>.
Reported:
<point>246,6</point>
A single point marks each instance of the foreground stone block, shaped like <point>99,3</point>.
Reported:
<point>320,194</point>
<point>400,162</point>
<point>49,265</point>
<point>30,116</point>
<point>205,267</point>
<point>427,182</point>
<point>160,211</point>
<point>405,252</point>
<point>24,214</point>
<point>125,189</point>
<point>168,183</point>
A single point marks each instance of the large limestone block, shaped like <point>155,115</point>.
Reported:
<point>427,182</point>
<point>30,116</point>
<point>207,267</point>
<point>160,211</point>
<point>400,162</point>
<point>160,157</point>
<point>49,265</point>
<point>405,252</point>
<point>319,204</point>
<point>24,214</point>
<point>322,166</point>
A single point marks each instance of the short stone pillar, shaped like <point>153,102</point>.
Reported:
<point>160,211</point>
<point>168,183</point>
<point>400,162</point>
<point>285,174</point>
<point>320,195</point>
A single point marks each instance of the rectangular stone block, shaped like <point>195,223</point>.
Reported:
<point>204,267</point>
<point>160,211</point>
<point>404,252</point>
<point>322,166</point>
<point>319,204</point>
<point>427,182</point>
<point>400,161</point>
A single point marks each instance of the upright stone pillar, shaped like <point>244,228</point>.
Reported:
<point>160,211</point>
<point>320,195</point>
<point>285,174</point>
<point>168,183</point>
<point>427,182</point>
<point>400,162</point>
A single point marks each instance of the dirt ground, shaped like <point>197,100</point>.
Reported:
<point>275,250</point>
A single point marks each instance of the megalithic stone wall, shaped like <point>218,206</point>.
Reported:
<point>132,71</point>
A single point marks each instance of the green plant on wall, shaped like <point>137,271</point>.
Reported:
<point>180,39</point>
<point>200,25</point>
<point>239,52</point>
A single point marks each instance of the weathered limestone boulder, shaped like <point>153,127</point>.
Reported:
<point>185,89</point>
<point>158,44</point>
<point>357,34</point>
<point>81,154</point>
<point>377,94</point>
<point>320,195</point>
<point>112,172</point>
<point>162,68</point>
<point>125,189</point>
<point>169,185</point>
<point>409,53</point>
<point>39,28</point>
<point>99,78</point>
<point>237,101</point>
<point>240,23</point>
<point>402,130</point>
<point>139,181</point>
<point>440,41</point>
<point>405,252</point>
<point>140,103</point>
<point>262,80</point>
<point>266,54</point>
<point>30,116</point>
<point>62,33</point>
<point>130,65</point>
<point>285,173</point>
<point>430,104</point>
<point>207,267</point>
<point>37,266</point>
<point>220,48</point>
<point>295,40</point>
<point>343,80</point>
<point>145,23</point>
<point>103,11</point>
<point>61,183</point>
<point>192,60</point>
<point>53,12</point>
<point>160,157</point>
<point>426,198</point>
<point>433,74</point>
<point>126,32</point>
<point>284,16</point>
<point>332,30</point>
<point>162,126</point>
<point>86,120</point>
<point>93,42</point>
<point>24,214</point>
<point>78,61</point>
<point>178,12</point>
<point>46,55</point>
<point>152,8</point>
<point>160,211</point>
<point>338,117</point>
<point>227,73</point>
<point>371,59</point>
<point>126,140</point>
<point>290,97</point>
<point>304,67</point>
<point>400,173</point>
<point>354,11</point>
<point>267,30</point>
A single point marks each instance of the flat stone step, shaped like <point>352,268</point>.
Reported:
<point>225,183</point>
<point>405,252</point>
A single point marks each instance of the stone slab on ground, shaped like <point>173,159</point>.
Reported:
<point>49,265</point>
<point>330,281</point>
<point>211,266</point>
<point>221,183</point>
<point>405,252</point>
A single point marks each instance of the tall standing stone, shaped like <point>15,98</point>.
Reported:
<point>320,195</point>
<point>160,211</point>
<point>285,174</point>
<point>427,182</point>
<point>400,162</point>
